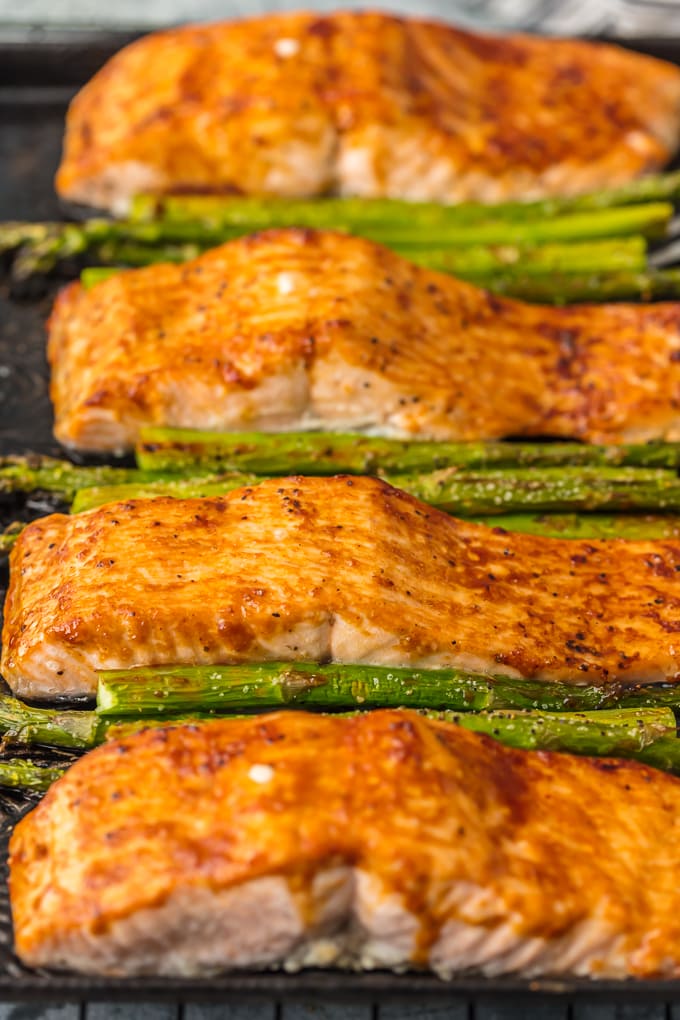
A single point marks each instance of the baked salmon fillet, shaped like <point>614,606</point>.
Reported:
<point>340,569</point>
<point>381,840</point>
<point>293,329</point>
<point>365,104</point>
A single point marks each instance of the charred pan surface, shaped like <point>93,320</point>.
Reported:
<point>381,840</point>
<point>329,569</point>
<point>294,328</point>
<point>368,104</point>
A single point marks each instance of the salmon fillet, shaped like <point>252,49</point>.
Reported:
<point>365,104</point>
<point>340,569</point>
<point>298,329</point>
<point>381,840</point>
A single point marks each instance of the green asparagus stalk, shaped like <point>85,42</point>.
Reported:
<point>14,235</point>
<point>178,488</point>
<point>7,539</point>
<point>259,213</point>
<point>47,245</point>
<point>150,691</point>
<point>573,288</point>
<point>177,238</point>
<point>663,754</point>
<point>663,187</point>
<point>476,262</point>
<point>647,735</point>
<point>183,460</point>
<point>40,255</point>
<point>93,275</point>
<point>465,493</point>
<point>61,477</point>
<point>22,774</point>
<point>628,254</point>
<point>560,717</point>
<point>67,728</point>
<point>187,451</point>
<point>619,732</point>
<point>648,220</point>
<point>129,254</point>
<point>633,527</point>
<point>552,489</point>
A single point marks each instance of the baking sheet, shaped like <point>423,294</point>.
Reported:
<point>38,74</point>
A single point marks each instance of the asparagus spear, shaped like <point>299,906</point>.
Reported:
<point>102,240</point>
<point>45,245</point>
<point>171,690</point>
<point>39,256</point>
<point>93,275</point>
<point>652,188</point>
<point>164,452</point>
<point>648,736</point>
<point>14,235</point>
<point>550,489</point>
<point>157,695</point>
<point>571,288</point>
<point>179,488</point>
<point>7,539</point>
<point>129,254</point>
<point>61,477</point>
<point>326,212</point>
<point>620,732</point>
<point>476,262</point>
<point>23,475</point>
<point>183,458</point>
<point>466,493</point>
<point>67,728</point>
<point>663,754</point>
<point>482,264</point>
<point>279,453</point>
<point>649,219</point>
<point>635,527</point>
<point>22,774</point>
<point>177,239</point>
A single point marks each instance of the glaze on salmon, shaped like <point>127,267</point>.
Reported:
<point>381,840</point>
<point>366,104</point>
<point>329,569</point>
<point>294,329</point>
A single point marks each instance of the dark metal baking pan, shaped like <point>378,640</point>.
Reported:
<point>39,71</point>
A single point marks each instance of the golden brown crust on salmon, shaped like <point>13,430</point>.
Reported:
<point>382,839</point>
<point>329,569</point>
<point>370,104</point>
<point>295,328</point>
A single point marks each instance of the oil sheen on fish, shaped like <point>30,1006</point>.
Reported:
<point>329,569</point>
<point>381,840</point>
<point>295,329</point>
<point>366,104</point>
